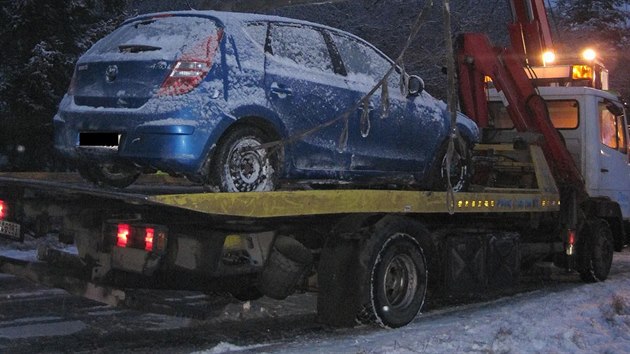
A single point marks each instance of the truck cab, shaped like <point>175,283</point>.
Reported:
<point>594,125</point>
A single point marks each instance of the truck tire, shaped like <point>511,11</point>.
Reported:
<point>395,272</point>
<point>288,264</point>
<point>595,251</point>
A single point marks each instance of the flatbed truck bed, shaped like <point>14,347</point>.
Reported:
<point>173,192</point>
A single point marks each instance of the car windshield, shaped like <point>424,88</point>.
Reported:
<point>164,37</point>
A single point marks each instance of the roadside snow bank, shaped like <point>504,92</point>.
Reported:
<point>27,250</point>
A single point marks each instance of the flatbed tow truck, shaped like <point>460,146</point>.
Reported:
<point>370,254</point>
<point>380,248</point>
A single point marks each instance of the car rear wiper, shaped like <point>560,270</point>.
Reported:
<point>144,23</point>
<point>137,48</point>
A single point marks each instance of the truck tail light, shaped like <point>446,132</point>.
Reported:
<point>3,210</point>
<point>192,67</point>
<point>148,237</point>
<point>122,237</point>
<point>155,240</point>
<point>571,236</point>
<point>149,233</point>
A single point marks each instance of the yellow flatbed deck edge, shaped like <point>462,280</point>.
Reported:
<point>320,202</point>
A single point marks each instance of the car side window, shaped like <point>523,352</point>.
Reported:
<point>300,45</point>
<point>362,62</point>
<point>257,31</point>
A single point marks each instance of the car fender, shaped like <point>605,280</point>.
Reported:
<point>238,115</point>
<point>468,129</point>
<point>262,112</point>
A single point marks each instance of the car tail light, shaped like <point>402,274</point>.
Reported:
<point>191,68</point>
<point>3,209</point>
<point>122,237</point>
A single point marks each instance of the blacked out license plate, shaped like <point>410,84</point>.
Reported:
<point>10,230</point>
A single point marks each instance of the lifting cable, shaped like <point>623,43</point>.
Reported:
<point>451,102</point>
<point>364,101</point>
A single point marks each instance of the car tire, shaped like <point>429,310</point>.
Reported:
<point>248,293</point>
<point>461,168</point>
<point>109,174</point>
<point>595,252</point>
<point>397,274</point>
<point>239,167</point>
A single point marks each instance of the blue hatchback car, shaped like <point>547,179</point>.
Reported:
<point>246,102</point>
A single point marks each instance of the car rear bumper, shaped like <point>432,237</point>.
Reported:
<point>167,141</point>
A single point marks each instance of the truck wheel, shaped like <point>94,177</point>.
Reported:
<point>596,251</point>
<point>460,168</point>
<point>396,273</point>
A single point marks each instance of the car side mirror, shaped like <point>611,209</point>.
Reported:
<point>415,85</point>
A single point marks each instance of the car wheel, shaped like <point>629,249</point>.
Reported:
<point>240,166</point>
<point>398,277</point>
<point>248,293</point>
<point>109,174</point>
<point>86,173</point>
<point>595,251</point>
<point>460,168</point>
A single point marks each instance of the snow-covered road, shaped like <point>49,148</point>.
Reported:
<point>562,315</point>
<point>562,318</point>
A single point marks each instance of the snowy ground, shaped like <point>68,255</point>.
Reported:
<point>565,316</point>
<point>568,318</point>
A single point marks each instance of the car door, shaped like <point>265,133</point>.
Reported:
<point>305,93</point>
<point>402,138</point>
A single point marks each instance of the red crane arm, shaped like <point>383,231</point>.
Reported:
<point>530,33</point>
<point>476,58</point>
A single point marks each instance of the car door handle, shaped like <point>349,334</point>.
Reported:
<point>604,170</point>
<point>280,90</point>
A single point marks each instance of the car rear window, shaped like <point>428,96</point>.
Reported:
<point>163,37</point>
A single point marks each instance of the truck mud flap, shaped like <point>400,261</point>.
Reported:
<point>480,261</point>
<point>465,263</point>
<point>504,259</point>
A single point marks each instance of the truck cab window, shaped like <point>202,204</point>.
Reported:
<point>621,135</point>
<point>612,128</point>
<point>564,114</point>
